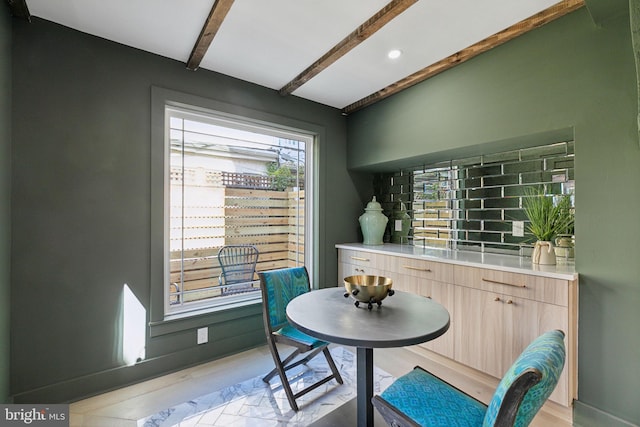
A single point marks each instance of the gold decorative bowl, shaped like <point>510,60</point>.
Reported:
<point>368,289</point>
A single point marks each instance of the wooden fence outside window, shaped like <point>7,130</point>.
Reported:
<point>271,220</point>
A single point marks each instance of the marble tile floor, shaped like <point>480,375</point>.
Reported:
<point>134,405</point>
<point>248,403</point>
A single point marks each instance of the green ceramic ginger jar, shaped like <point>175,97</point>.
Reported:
<point>373,223</point>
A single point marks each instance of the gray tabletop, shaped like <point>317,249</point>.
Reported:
<point>403,319</point>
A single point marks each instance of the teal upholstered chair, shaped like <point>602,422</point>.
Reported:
<point>421,399</point>
<point>278,288</point>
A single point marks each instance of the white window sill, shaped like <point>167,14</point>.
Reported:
<point>205,316</point>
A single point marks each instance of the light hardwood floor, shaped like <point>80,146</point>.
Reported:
<point>124,407</point>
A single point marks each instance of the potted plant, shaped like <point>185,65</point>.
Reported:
<point>546,220</point>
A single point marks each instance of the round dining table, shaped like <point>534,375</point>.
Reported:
<point>402,319</point>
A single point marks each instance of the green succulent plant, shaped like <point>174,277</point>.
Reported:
<point>546,218</point>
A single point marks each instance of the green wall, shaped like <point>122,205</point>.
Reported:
<point>570,77</point>
<point>5,198</point>
<point>82,211</point>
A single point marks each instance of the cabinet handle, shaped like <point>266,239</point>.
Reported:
<point>503,283</point>
<point>509,302</point>
<point>357,258</point>
<point>496,299</point>
<point>427,270</point>
<point>361,270</point>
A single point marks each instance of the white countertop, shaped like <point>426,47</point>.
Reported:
<point>515,264</point>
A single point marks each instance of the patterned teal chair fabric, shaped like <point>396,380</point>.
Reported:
<point>544,359</point>
<point>422,399</point>
<point>278,288</point>
<point>281,286</point>
<point>444,403</point>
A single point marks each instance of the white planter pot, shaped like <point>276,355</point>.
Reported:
<point>543,253</point>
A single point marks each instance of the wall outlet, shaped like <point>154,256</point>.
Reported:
<point>203,335</point>
<point>518,228</point>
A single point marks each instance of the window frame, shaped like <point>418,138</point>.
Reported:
<point>161,321</point>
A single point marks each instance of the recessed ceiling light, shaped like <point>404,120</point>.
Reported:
<point>394,54</point>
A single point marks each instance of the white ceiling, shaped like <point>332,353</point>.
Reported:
<point>271,42</point>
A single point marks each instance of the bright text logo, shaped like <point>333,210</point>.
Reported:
<point>34,415</point>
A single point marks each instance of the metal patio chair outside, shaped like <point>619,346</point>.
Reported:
<point>238,264</point>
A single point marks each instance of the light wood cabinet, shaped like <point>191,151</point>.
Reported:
<point>481,350</point>
<point>494,313</point>
<point>501,313</point>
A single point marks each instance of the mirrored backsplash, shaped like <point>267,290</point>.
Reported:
<point>476,203</point>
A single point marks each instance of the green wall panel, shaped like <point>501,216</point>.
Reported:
<point>569,76</point>
<point>5,199</point>
<point>82,211</point>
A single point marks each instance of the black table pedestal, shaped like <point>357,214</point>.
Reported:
<point>364,382</point>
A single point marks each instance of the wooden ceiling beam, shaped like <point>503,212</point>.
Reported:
<point>211,26</point>
<point>552,13</point>
<point>360,34</point>
<point>19,9</point>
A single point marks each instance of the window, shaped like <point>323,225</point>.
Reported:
<point>229,180</point>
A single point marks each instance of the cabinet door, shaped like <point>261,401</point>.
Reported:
<point>402,282</point>
<point>480,328</point>
<point>530,319</point>
<point>443,294</point>
<point>491,330</point>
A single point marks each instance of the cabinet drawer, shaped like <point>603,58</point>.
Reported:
<point>354,263</point>
<point>437,271</point>
<point>356,270</point>
<point>544,289</point>
<point>363,259</point>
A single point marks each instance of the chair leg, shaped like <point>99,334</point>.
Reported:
<point>280,369</point>
<point>283,366</point>
<point>332,365</point>
<point>309,356</point>
<point>284,363</point>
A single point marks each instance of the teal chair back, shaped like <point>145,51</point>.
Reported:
<point>542,362</point>
<point>421,399</point>
<point>280,287</point>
